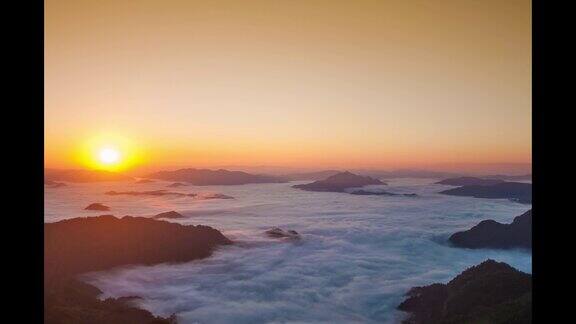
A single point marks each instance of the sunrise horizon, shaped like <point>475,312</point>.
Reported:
<point>368,84</point>
<point>301,161</point>
<point>506,168</point>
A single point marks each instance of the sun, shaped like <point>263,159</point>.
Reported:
<point>109,156</point>
<point>109,152</point>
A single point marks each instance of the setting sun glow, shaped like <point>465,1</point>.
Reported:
<point>309,84</point>
<point>109,152</point>
<point>109,156</point>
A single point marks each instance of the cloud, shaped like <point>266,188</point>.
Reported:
<point>357,258</point>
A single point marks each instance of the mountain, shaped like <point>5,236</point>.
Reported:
<point>95,243</point>
<point>362,192</point>
<point>205,177</point>
<point>491,292</point>
<point>339,182</point>
<point>54,184</point>
<point>149,193</point>
<point>78,175</point>
<point>469,181</point>
<point>318,175</point>
<point>509,177</point>
<point>79,245</point>
<point>74,301</point>
<point>171,214</point>
<point>380,174</point>
<point>97,206</point>
<point>491,234</point>
<point>408,173</point>
<point>516,191</point>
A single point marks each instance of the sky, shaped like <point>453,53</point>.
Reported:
<point>300,83</point>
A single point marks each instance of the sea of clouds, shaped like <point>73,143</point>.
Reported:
<point>357,257</point>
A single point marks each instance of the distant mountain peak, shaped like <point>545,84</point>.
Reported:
<point>204,177</point>
<point>339,182</point>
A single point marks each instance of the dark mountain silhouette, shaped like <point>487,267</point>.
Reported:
<point>176,185</point>
<point>469,181</point>
<point>168,215</point>
<point>83,175</point>
<point>97,206</point>
<point>79,245</point>
<point>215,196</point>
<point>363,192</point>
<point>95,243</point>
<point>408,173</point>
<point>339,183</point>
<point>277,232</point>
<point>149,193</point>
<point>54,184</point>
<point>144,181</point>
<point>74,301</point>
<point>516,191</point>
<point>205,196</point>
<point>317,175</point>
<point>205,177</point>
<point>491,234</point>
<point>403,173</point>
<point>509,177</point>
<point>491,292</point>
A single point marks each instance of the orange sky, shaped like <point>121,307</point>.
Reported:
<point>296,83</point>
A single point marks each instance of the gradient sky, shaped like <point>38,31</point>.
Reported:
<point>296,83</point>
